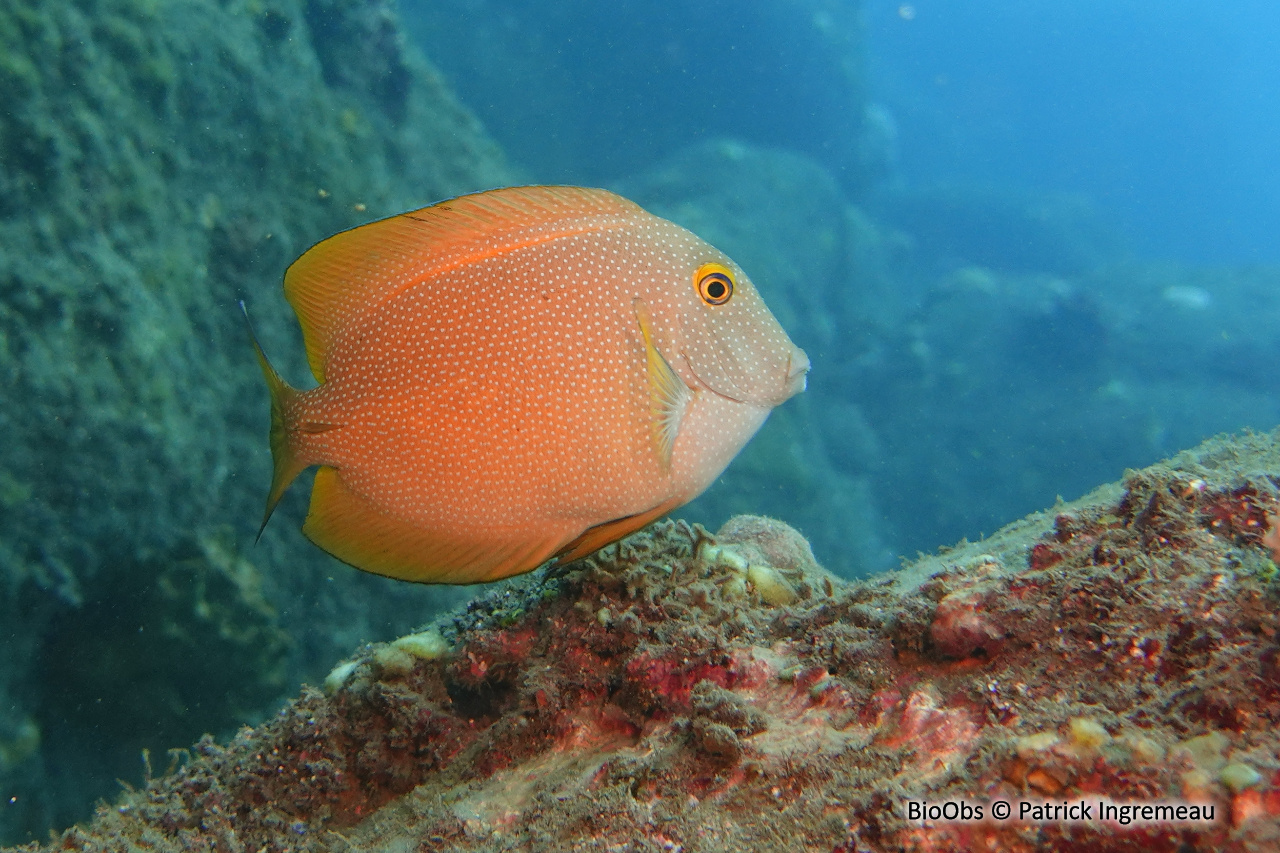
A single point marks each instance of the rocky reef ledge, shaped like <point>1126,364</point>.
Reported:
<point>684,691</point>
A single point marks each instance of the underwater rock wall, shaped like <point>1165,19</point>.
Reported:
<point>1005,389</point>
<point>159,161</point>
<point>683,691</point>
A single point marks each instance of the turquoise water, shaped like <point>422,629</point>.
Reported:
<point>1164,115</point>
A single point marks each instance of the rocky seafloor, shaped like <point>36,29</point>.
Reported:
<point>698,692</point>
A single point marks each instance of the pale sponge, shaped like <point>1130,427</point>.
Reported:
<point>767,557</point>
<point>396,658</point>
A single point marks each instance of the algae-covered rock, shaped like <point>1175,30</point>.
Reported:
<point>1127,655</point>
<point>159,161</point>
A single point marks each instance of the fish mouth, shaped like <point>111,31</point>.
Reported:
<point>796,381</point>
<point>798,366</point>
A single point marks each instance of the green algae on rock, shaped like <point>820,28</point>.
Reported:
<point>159,160</point>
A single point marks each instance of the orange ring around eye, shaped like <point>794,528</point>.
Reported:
<point>714,283</point>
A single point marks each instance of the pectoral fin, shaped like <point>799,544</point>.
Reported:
<point>669,396</point>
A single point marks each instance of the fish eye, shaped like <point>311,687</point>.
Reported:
<point>714,283</point>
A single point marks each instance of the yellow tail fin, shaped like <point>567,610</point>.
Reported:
<point>284,455</point>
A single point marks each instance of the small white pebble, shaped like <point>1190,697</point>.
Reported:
<point>1031,744</point>
<point>1237,776</point>
<point>425,645</point>
<point>338,676</point>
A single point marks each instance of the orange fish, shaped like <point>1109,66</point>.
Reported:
<point>514,376</point>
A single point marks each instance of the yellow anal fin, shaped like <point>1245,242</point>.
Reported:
<point>355,531</point>
<point>668,394</point>
<point>601,535</point>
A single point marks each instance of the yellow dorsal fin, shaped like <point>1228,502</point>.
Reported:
<point>668,395</point>
<point>351,271</point>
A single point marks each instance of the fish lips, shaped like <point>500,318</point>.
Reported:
<point>798,367</point>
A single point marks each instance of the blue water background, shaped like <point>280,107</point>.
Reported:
<point>1166,114</point>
